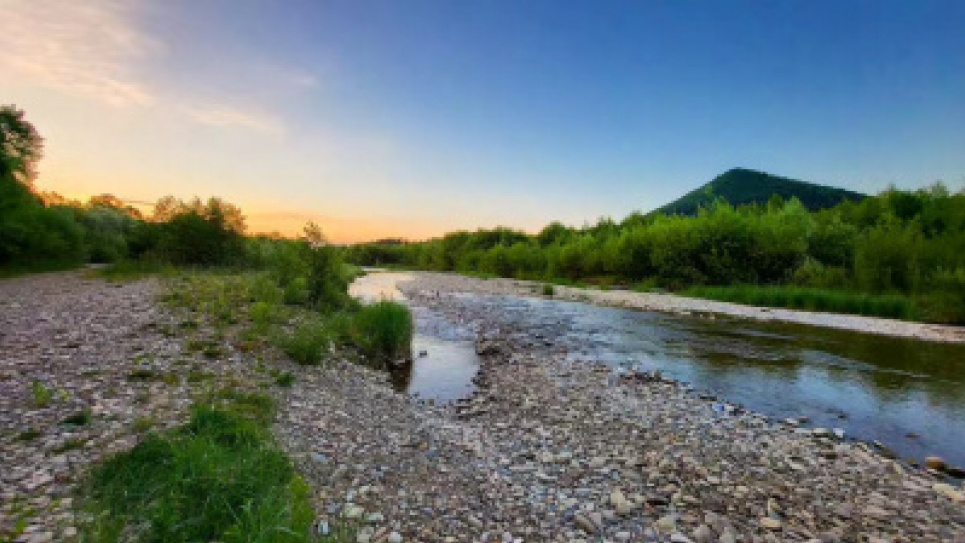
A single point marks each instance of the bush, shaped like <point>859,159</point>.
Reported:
<point>327,284</point>
<point>307,343</point>
<point>383,330</point>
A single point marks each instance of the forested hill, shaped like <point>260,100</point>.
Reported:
<point>742,186</point>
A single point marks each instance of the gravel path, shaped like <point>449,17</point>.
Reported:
<point>545,451</point>
<point>670,303</point>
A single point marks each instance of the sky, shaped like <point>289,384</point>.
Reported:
<point>410,118</point>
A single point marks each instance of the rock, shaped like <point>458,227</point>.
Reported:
<point>584,522</point>
<point>678,537</point>
<point>771,523</point>
<point>875,512</point>
<point>394,537</point>
<point>667,524</point>
<point>353,511</point>
<point>935,463</point>
<point>703,534</point>
<point>365,535</point>
<point>949,492</point>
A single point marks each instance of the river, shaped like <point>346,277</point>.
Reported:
<point>906,394</point>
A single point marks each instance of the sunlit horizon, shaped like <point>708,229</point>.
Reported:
<point>411,119</point>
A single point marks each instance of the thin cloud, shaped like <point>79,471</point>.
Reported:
<point>80,48</point>
<point>94,49</point>
<point>224,116</point>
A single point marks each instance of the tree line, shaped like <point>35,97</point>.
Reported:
<point>909,243</point>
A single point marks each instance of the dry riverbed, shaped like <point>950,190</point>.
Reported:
<point>546,450</point>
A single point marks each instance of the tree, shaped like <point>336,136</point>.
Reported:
<point>20,145</point>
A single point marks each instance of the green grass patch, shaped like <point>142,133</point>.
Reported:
<point>548,290</point>
<point>383,330</point>
<point>29,434</point>
<point>220,477</point>
<point>130,270</point>
<point>7,272</point>
<point>893,306</point>
<point>307,343</point>
<point>80,418</point>
<point>40,394</point>
<point>285,380</point>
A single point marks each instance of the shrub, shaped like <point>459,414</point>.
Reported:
<point>306,343</point>
<point>383,330</point>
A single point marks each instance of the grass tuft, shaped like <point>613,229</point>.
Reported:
<point>306,343</point>
<point>383,330</point>
<point>40,394</point>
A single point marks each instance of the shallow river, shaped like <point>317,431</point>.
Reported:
<point>907,394</point>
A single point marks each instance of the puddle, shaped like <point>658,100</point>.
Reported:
<point>444,360</point>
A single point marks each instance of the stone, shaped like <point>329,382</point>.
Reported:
<point>394,537</point>
<point>584,522</point>
<point>949,492</point>
<point>667,524</point>
<point>703,534</point>
<point>935,463</point>
<point>771,523</point>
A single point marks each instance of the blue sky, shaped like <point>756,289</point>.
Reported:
<point>416,117</point>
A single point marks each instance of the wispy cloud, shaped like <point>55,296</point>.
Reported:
<point>96,50</point>
<point>81,48</point>
<point>224,116</point>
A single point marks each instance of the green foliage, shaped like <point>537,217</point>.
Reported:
<point>383,330</point>
<point>218,478</point>
<point>548,290</point>
<point>899,242</point>
<point>80,418</point>
<point>891,306</point>
<point>285,380</point>
<point>40,394</point>
<point>327,281</point>
<point>307,343</point>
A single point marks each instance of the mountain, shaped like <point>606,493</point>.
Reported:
<point>742,186</point>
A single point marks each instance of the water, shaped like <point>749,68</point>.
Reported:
<point>444,358</point>
<point>908,394</point>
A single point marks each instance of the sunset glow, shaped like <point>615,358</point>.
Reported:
<point>409,119</point>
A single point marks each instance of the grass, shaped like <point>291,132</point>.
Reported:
<point>892,306</point>
<point>40,267</point>
<point>130,270</point>
<point>285,380</point>
<point>220,477</point>
<point>40,394</point>
<point>80,418</point>
<point>306,343</point>
<point>548,290</point>
<point>383,330</point>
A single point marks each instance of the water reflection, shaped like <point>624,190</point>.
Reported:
<point>444,359</point>
<point>874,387</point>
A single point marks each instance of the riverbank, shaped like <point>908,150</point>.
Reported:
<point>546,450</point>
<point>670,303</point>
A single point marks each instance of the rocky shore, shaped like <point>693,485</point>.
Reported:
<point>546,450</point>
